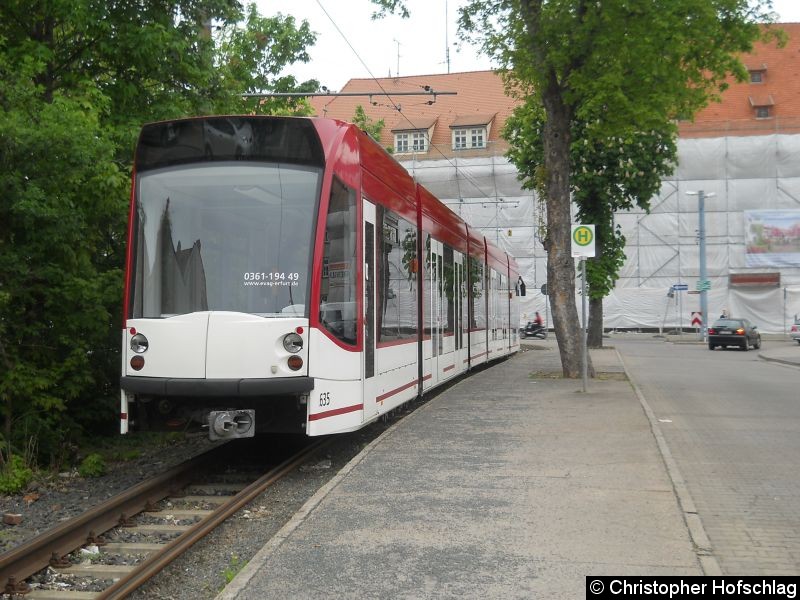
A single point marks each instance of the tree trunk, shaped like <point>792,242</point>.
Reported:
<point>560,264</point>
<point>595,335</point>
<point>9,407</point>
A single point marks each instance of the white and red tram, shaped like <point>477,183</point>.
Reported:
<point>287,274</point>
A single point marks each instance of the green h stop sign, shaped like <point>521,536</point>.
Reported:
<point>582,241</point>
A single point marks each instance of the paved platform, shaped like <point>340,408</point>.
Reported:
<point>513,483</point>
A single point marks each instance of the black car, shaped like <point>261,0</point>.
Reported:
<point>734,332</point>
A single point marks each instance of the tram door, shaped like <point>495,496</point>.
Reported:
<point>370,385</point>
<point>435,308</point>
<point>459,299</point>
<point>443,309</point>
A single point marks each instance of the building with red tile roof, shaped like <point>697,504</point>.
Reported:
<point>769,102</point>
<point>446,104</point>
<point>741,151</point>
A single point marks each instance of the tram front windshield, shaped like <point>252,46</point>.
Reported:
<point>226,237</point>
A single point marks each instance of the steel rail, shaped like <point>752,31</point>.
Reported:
<point>173,549</point>
<point>34,555</point>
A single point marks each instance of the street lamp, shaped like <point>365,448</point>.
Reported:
<point>704,284</point>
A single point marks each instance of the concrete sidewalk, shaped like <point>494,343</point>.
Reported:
<point>513,483</point>
<point>788,355</point>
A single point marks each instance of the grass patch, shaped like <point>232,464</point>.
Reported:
<point>125,448</point>
<point>94,465</point>
<point>612,376</point>
<point>234,566</point>
<point>546,375</point>
<point>599,376</point>
<point>15,475</point>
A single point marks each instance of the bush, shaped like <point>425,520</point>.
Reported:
<point>14,476</point>
<point>93,465</point>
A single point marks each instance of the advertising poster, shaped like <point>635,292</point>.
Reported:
<point>772,238</point>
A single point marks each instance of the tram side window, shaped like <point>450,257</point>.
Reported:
<point>449,290</point>
<point>514,317</point>
<point>503,297</point>
<point>497,288</point>
<point>397,277</point>
<point>427,292</point>
<point>477,300</point>
<point>337,310</point>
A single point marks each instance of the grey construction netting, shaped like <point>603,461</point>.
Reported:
<point>752,223</point>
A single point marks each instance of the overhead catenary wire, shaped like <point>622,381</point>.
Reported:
<point>394,104</point>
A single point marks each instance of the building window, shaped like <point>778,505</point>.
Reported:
<point>420,141</point>
<point>473,137</point>
<point>762,112</point>
<point>401,142</point>
<point>416,141</point>
<point>756,76</point>
<point>478,137</point>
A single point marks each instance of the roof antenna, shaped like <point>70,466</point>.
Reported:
<point>397,73</point>
<point>446,37</point>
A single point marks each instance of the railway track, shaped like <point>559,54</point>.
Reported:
<point>115,547</point>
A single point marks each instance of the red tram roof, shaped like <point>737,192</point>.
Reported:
<point>441,222</point>
<point>496,258</point>
<point>477,243</point>
<point>387,181</point>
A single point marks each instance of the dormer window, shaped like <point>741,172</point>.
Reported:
<point>474,137</point>
<point>762,105</point>
<point>757,73</point>
<point>471,131</point>
<point>416,140</point>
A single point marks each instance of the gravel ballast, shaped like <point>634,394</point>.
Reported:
<point>213,561</point>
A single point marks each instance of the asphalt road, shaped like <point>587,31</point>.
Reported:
<point>732,423</point>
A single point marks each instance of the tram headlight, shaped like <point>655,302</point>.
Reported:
<point>139,343</point>
<point>293,343</point>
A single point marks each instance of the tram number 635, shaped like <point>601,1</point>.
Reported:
<point>325,399</point>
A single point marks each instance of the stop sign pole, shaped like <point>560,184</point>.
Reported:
<point>583,248</point>
<point>705,284</point>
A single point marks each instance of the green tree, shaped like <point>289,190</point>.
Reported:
<point>251,57</point>
<point>615,66</point>
<point>77,80</point>
<point>608,175</point>
<point>370,127</point>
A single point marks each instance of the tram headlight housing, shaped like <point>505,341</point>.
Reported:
<point>139,344</point>
<point>293,343</point>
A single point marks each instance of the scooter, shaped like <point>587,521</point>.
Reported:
<point>534,330</point>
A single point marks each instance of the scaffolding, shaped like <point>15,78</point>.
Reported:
<point>741,176</point>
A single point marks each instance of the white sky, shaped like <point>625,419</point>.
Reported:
<point>422,40</point>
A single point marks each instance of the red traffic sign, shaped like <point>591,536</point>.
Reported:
<point>697,319</point>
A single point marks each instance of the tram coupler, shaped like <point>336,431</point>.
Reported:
<point>231,424</point>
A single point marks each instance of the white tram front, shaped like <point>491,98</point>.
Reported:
<point>286,274</point>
